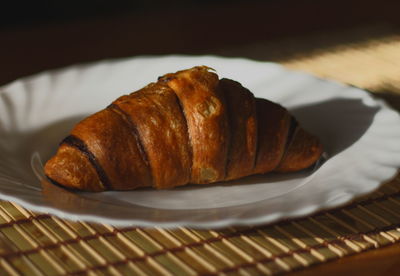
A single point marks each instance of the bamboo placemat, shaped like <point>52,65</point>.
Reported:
<point>40,244</point>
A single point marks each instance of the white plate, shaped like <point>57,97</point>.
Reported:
<point>361,136</point>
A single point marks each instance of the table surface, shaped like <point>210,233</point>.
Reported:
<point>366,48</point>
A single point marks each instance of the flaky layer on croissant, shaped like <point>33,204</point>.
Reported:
<point>188,127</point>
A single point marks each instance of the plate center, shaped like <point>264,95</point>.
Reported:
<point>244,191</point>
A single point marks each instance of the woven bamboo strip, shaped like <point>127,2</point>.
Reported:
<point>282,239</point>
<point>7,268</point>
<point>13,234</point>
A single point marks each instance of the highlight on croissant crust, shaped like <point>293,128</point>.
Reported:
<point>188,127</point>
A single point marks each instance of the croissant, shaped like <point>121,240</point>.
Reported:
<point>188,127</point>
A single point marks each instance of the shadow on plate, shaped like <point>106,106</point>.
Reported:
<point>339,123</point>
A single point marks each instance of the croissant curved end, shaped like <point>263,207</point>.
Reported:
<point>304,151</point>
<point>69,168</point>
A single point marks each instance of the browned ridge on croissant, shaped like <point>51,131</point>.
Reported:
<point>188,127</point>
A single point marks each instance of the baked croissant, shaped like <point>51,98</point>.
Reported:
<point>188,127</point>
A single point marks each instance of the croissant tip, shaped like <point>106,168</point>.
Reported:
<point>64,170</point>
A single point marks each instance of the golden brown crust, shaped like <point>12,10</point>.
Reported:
<point>243,128</point>
<point>204,108</point>
<point>71,168</point>
<point>110,139</point>
<point>161,126</point>
<point>189,127</point>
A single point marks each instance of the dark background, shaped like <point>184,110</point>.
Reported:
<point>39,35</point>
<point>19,13</point>
<point>338,13</point>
